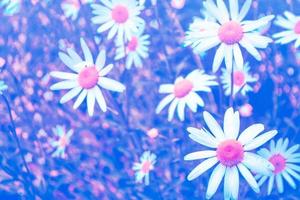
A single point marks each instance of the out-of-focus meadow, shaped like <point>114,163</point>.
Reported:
<point>99,157</point>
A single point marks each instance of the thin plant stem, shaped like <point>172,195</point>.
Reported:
<point>15,136</point>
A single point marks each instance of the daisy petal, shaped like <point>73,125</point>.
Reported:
<point>106,70</point>
<point>64,85</point>
<point>293,173</point>
<point>213,10</point>
<point>219,56</point>
<point>250,48</point>
<point>251,26</point>
<point>213,125</point>
<point>251,132</point>
<point>202,167</point>
<point>248,177</point>
<point>200,155</point>
<point>270,184</point>
<point>163,103</point>
<point>215,180</point>
<point>244,10</point>
<point>265,153</point>
<point>67,61</point>
<point>180,110</point>
<point>80,99</point>
<point>289,179</point>
<point>75,57</point>
<point>235,182</point>
<point>86,51</point>
<point>223,9</point>
<point>291,150</point>
<point>231,124</point>
<point>111,84</point>
<point>228,57</point>
<point>70,95</point>
<point>166,88</point>
<point>90,102</point>
<point>279,183</point>
<point>234,9</point>
<point>251,160</point>
<point>64,75</point>
<point>238,57</point>
<point>260,140</point>
<point>202,137</point>
<point>172,109</point>
<point>100,61</point>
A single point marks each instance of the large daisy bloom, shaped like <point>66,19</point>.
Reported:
<point>292,25</point>
<point>135,49</point>
<point>241,79</point>
<point>230,151</point>
<point>184,92</point>
<point>229,32</point>
<point>144,167</point>
<point>62,142</point>
<point>286,164</point>
<point>120,17</point>
<point>87,78</point>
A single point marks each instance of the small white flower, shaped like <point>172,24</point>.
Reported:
<point>183,92</point>
<point>62,142</point>
<point>89,76</point>
<point>292,25</point>
<point>229,31</point>
<point>241,80</point>
<point>144,167</point>
<point>135,49</point>
<point>120,17</point>
<point>286,164</point>
<point>72,7</point>
<point>231,152</point>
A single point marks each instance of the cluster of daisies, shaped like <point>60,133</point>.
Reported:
<point>229,150</point>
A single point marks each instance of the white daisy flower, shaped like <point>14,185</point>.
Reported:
<point>135,49</point>
<point>183,92</point>
<point>230,151</point>
<point>87,79</point>
<point>72,7</point>
<point>120,17</point>
<point>286,164</point>
<point>144,167</point>
<point>62,142</point>
<point>199,25</point>
<point>241,80</point>
<point>230,32</point>
<point>292,25</point>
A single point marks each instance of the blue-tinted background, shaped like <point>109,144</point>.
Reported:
<point>105,146</point>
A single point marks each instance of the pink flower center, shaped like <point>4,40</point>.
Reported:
<point>63,141</point>
<point>231,32</point>
<point>239,78</point>
<point>88,77</point>
<point>183,88</point>
<point>132,44</point>
<point>120,14</point>
<point>230,152</point>
<point>146,167</point>
<point>279,162</point>
<point>297,27</point>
